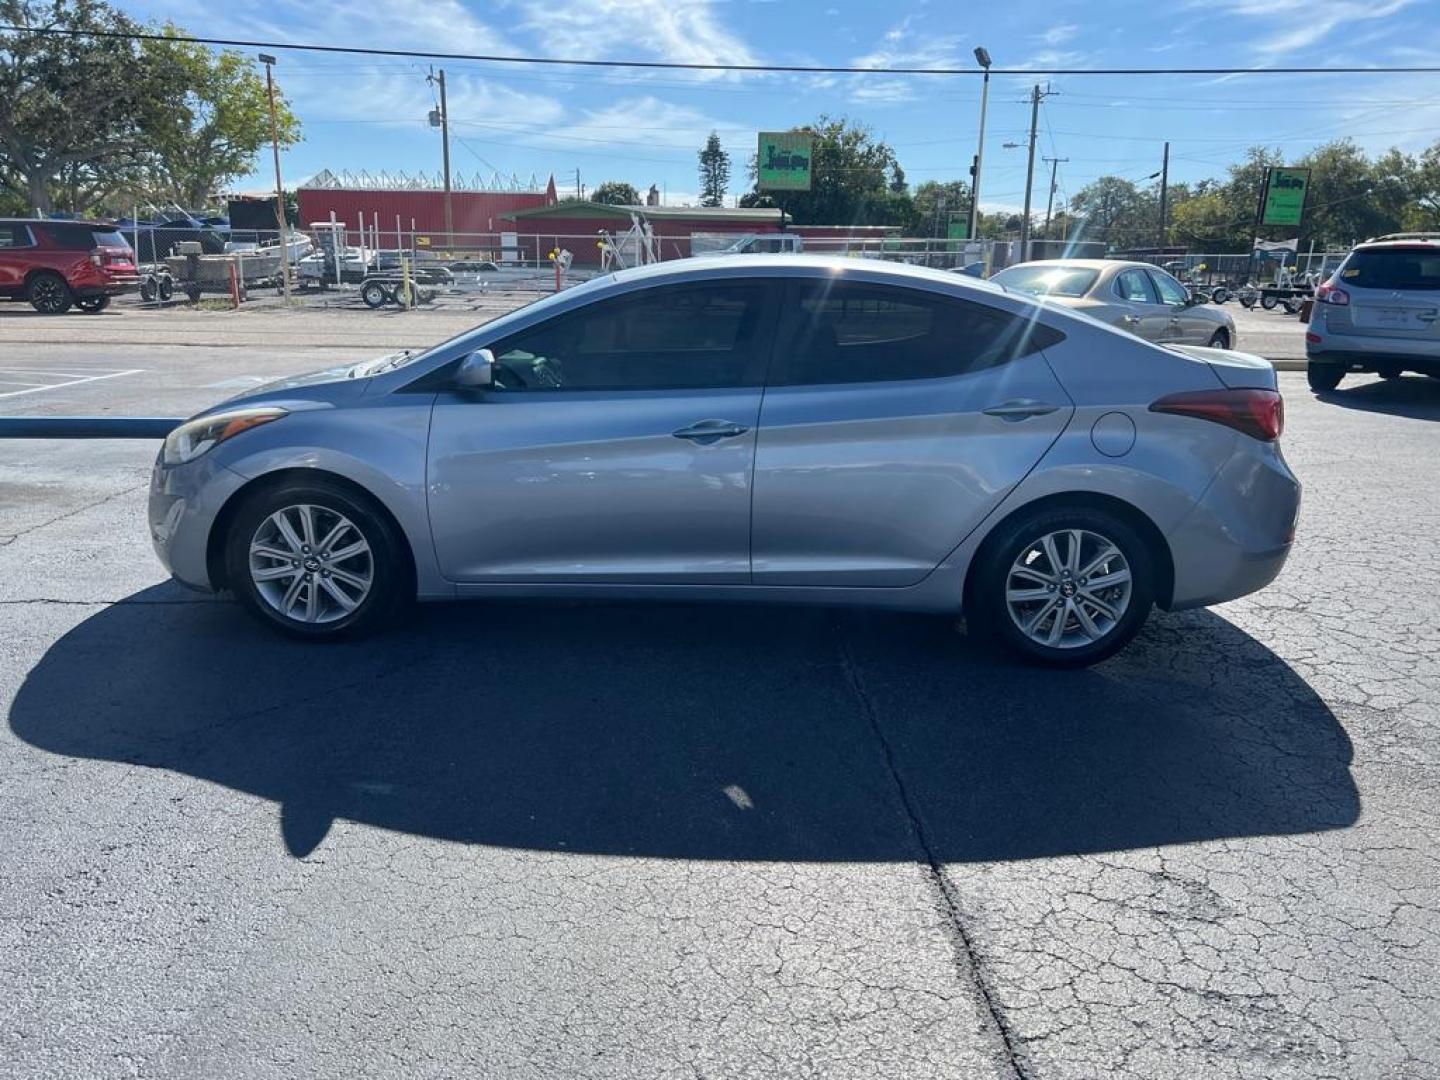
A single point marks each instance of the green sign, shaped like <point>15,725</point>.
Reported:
<point>958,229</point>
<point>1284,202</point>
<point>784,160</point>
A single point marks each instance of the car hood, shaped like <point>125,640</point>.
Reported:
<point>1237,370</point>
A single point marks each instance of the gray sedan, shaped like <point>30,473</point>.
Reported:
<point>1133,296</point>
<point>774,428</point>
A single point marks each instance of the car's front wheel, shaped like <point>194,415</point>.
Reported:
<point>313,560</point>
<point>1065,587</point>
<point>1220,339</point>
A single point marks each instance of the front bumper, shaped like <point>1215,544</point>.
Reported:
<point>185,501</point>
<point>1237,538</point>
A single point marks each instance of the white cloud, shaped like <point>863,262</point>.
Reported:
<point>1058,34</point>
<point>681,31</point>
<point>1300,24</point>
<point>904,46</point>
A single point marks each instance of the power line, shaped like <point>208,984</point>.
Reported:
<point>673,65</point>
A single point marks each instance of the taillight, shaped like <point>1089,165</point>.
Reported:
<point>1258,413</point>
<point>1332,294</point>
<point>96,259</point>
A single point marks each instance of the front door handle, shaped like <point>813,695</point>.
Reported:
<point>706,432</point>
<point>1020,409</point>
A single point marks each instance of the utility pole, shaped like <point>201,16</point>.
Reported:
<point>1164,193</point>
<point>1036,95</point>
<point>1050,202</point>
<point>445,151</point>
<point>269,62</point>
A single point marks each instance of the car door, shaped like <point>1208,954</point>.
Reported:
<point>1185,325</point>
<point>1142,312</point>
<point>14,257</point>
<point>616,445</point>
<point>894,420</point>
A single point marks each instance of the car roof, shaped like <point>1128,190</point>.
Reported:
<point>806,265</point>
<point>1392,242</point>
<point>83,222</point>
<point>1083,264</point>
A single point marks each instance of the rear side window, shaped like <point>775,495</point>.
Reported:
<point>845,333</point>
<point>13,236</point>
<point>1393,268</point>
<point>1134,286</point>
<point>684,337</point>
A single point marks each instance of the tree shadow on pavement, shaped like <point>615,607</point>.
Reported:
<point>714,732</point>
<point>1413,396</point>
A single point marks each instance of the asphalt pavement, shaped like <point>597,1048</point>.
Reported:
<point>597,840</point>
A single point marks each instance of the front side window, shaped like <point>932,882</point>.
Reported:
<point>1171,291</point>
<point>843,333</point>
<point>1134,286</point>
<point>680,337</point>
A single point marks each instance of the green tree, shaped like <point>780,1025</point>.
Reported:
<point>211,132</point>
<point>1114,210</point>
<point>855,180</point>
<point>616,193</point>
<point>936,202</point>
<point>714,172</point>
<point>72,108</point>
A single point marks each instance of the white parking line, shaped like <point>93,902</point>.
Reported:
<point>70,383</point>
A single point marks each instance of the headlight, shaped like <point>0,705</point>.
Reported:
<point>194,437</point>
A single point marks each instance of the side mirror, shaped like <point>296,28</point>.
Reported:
<point>476,371</point>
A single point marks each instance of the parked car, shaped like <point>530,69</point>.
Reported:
<point>1133,296</point>
<point>1379,312</point>
<point>57,265</point>
<point>760,428</point>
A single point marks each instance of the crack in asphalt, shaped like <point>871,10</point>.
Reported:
<point>9,538</point>
<point>936,873</point>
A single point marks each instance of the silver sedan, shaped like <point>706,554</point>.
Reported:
<point>775,428</point>
<point>1132,296</point>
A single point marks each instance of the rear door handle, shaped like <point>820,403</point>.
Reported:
<point>706,432</point>
<point>1020,409</point>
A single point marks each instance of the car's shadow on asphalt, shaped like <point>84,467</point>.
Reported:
<point>1413,396</point>
<point>712,732</point>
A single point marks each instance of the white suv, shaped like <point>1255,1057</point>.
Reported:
<point>1380,312</point>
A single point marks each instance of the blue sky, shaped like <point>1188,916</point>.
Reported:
<point>369,113</point>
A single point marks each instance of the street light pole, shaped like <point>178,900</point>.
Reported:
<point>269,62</point>
<point>982,57</point>
<point>1164,193</point>
<point>1050,202</point>
<point>445,154</point>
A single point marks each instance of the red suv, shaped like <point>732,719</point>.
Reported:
<point>57,264</point>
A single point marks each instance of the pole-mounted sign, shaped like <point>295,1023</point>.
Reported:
<point>1283,202</point>
<point>784,161</point>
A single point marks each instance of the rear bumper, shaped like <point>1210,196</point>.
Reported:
<point>1237,538</point>
<point>1373,359</point>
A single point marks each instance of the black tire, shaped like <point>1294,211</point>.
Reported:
<point>1293,305</point>
<point>990,579</point>
<point>392,588</point>
<point>1268,302</point>
<point>1323,377</point>
<point>374,295</point>
<point>148,290</point>
<point>1219,340</point>
<point>1247,300</point>
<point>1219,296</point>
<point>92,305</point>
<point>192,293</point>
<point>166,287</point>
<point>49,295</point>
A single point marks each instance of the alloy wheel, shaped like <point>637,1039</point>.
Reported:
<point>311,564</point>
<point>48,295</point>
<point>1069,588</point>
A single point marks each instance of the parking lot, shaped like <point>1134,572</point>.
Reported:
<point>592,840</point>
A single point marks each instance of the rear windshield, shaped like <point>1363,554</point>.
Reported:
<point>110,238</point>
<point>1048,280</point>
<point>1393,268</point>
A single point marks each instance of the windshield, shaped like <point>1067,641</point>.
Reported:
<point>1394,268</point>
<point>1041,280</point>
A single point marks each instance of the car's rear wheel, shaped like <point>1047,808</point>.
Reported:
<point>1220,339</point>
<point>1322,377</point>
<point>1065,587</point>
<point>92,304</point>
<point>49,295</point>
<point>315,561</point>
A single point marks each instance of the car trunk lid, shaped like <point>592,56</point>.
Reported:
<point>1237,370</point>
